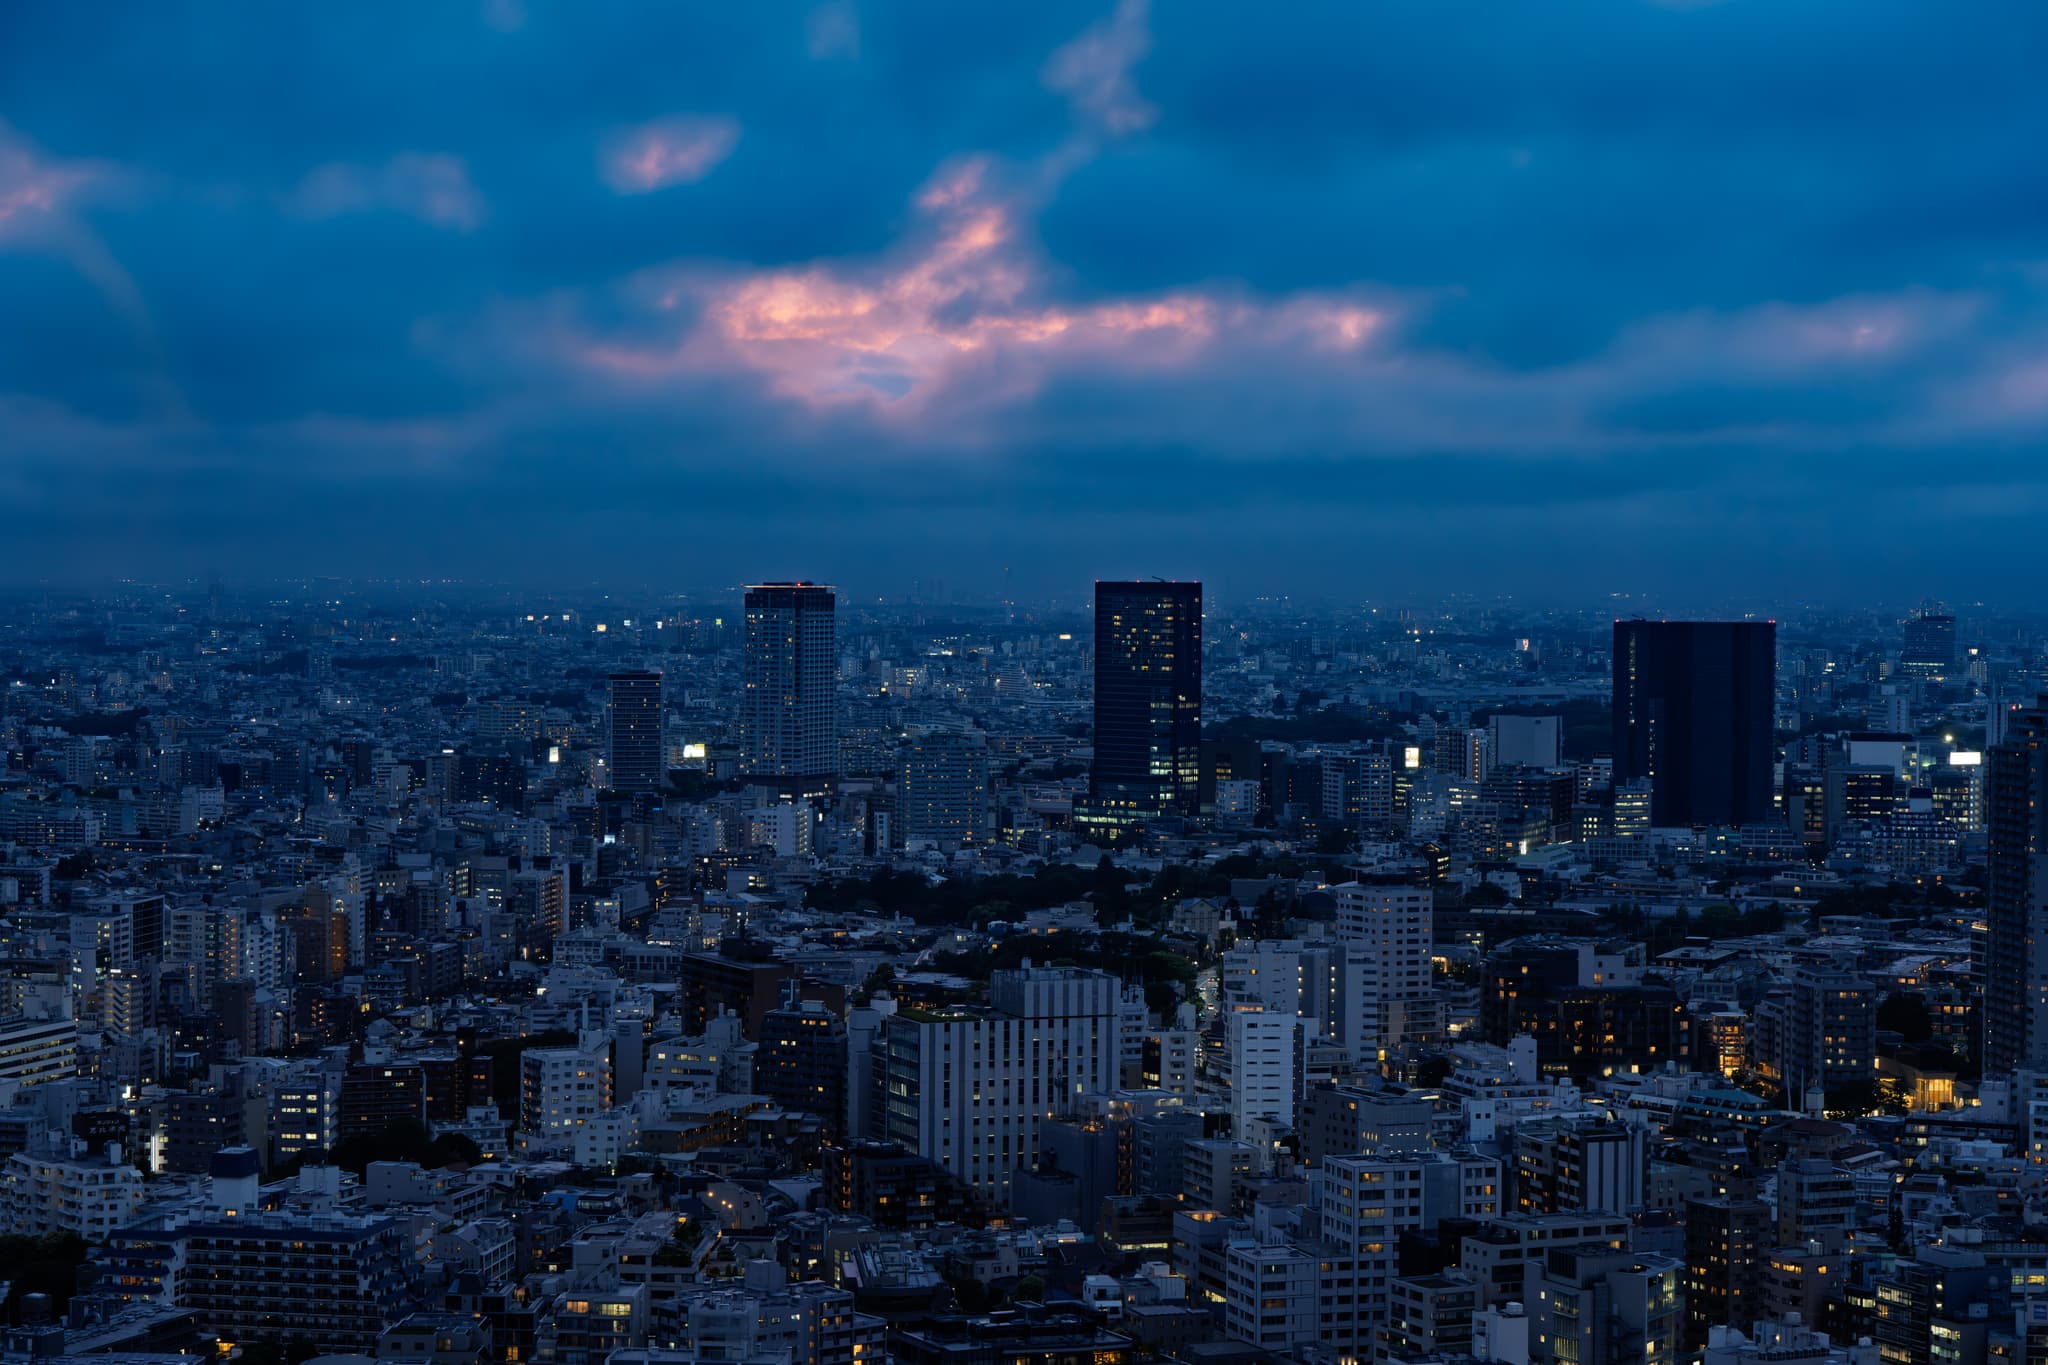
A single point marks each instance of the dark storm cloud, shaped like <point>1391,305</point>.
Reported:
<point>1400,294</point>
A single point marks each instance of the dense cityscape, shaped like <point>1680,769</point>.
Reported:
<point>778,975</point>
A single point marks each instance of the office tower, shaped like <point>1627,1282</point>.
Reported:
<point>1261,1067</point>
<point>1816,1203</point>
<point>632,751</point>
<point>1727,1242</point>
<point>943,794</point>
<point>1579,1166</point>
<point>1148,701</point>
<point>967,1086</point>
<point>1342,1120</point>
<point>1525,741</point>
<point>1591,1307</point>
<point>2016,901</point>
<point>1857,794</point>
<point>1464,753</point>
<point>1270,1297</point>
<point>1368,1203</point>
<point>1929,644</point>
<point>1632,804</point>
<point>1385,975</point>
<point>1430,1316</point>
<point>801,1064</point>
<point>1822,1026</point>
<point>789,725</point>
<point>1504,1253</point>
<point>1358,788</point>
<point>1693,713</point>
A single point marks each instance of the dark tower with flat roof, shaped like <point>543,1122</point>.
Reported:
<point>1693,713</point>
<point>1148,701</point>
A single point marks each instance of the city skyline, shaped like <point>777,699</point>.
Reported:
<point>1523,296</point>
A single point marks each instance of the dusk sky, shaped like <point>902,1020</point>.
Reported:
<point>1361,298</point>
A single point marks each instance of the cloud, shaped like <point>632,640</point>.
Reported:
<point>680,150</point>
<point>963,303</point>
<point>1094,71</point>
<point>833,31</point>
<point>435,189</point>
<point>989,273</point>
<point>35,192</point>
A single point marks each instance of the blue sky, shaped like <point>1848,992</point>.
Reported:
<point>1384,296</point>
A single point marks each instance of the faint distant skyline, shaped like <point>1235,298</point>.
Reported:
<point>1701,301</point>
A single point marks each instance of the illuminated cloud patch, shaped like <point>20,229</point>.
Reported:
<point>964,302</point>
<point>1094,70</point>
<point>671,151</point>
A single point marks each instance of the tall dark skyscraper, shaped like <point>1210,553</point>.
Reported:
<point>2016,903</point>
<point>633,732</point>
<point>1929,644</point>
<point>1693,713</point>
<point>1148,701</point>
<point>789,728</point>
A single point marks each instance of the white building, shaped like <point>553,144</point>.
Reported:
<point>1269,1295</point>
<point>969,1086</point>
<point>1385,975</point>
<point>42,1195</point>
<point>560,1090</point>
<point>1368,1202</point>
<point>1261,1066</point>
<point>1525,741</point>
<point>34,1050</point>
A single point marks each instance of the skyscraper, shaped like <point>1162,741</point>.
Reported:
<point>789,732</point>
<point>944,789</point>
<point>2016,822</point>
<point>1693,713</point>
<point>1929,643</point>
<point>632,751</point>
<point>1148,700</point>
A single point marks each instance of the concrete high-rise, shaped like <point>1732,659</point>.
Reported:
<point>2016,902</point>
<point>1148,701</point>
<point>789,731</point>
<point>967,1086</point>
<point>1693,713</point>
<point>943,794</point>
<point>1382,962</point>
<point>1928,644</point>
<point>632,750</point>
<point>1261,1067</point>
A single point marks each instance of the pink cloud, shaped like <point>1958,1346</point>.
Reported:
<point>34,190</point>
<point>964,299</point>
<point>1094,70</point>
<point>434,189</point>
<point>671,151</point>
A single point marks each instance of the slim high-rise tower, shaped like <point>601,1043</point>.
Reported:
<point>2016,900</point>
<point>1693,713</point>
<point>632,751</point>
<point>1148,700</point>
<point>789,731</point>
